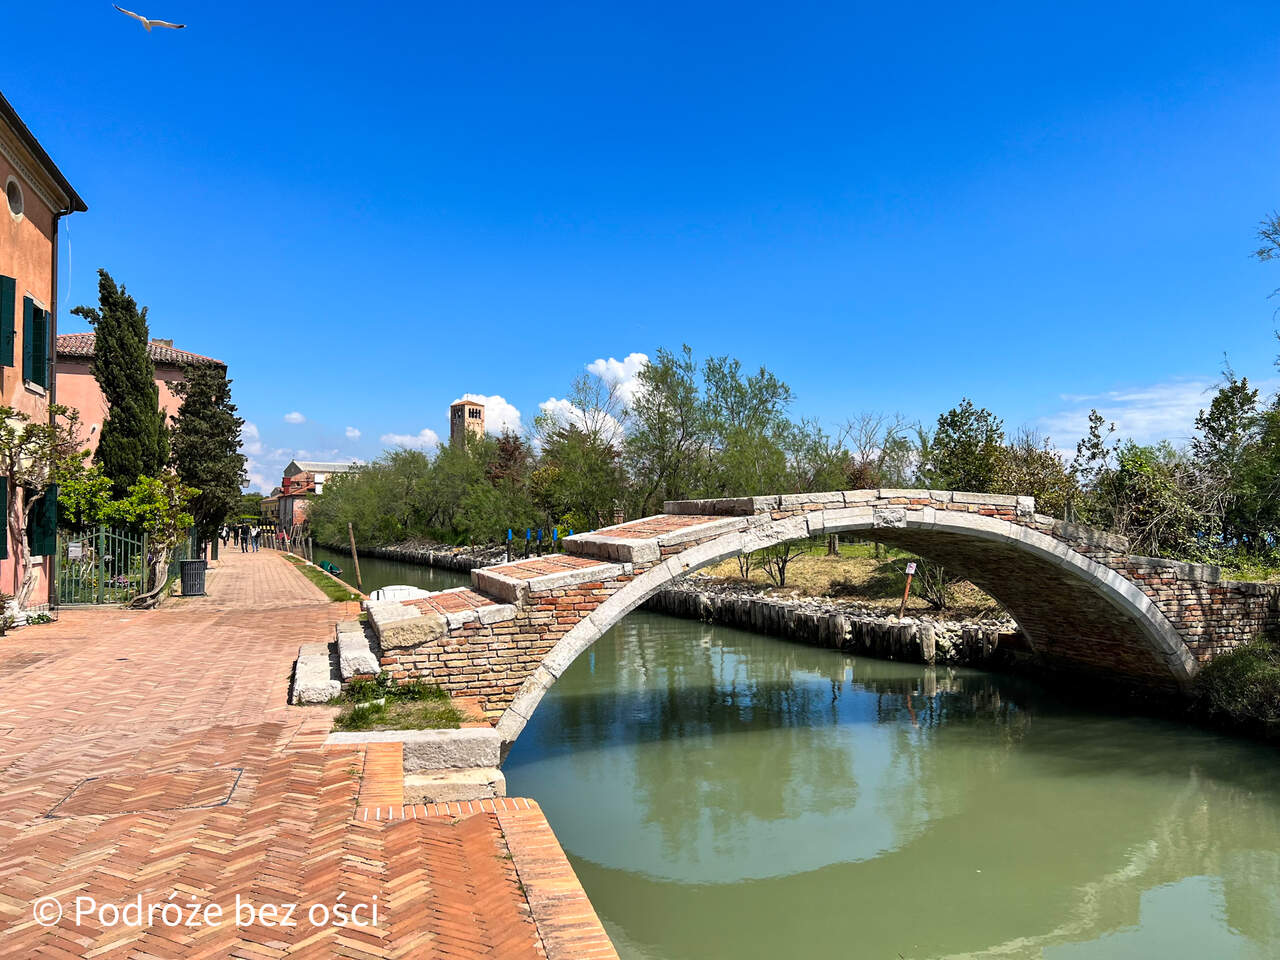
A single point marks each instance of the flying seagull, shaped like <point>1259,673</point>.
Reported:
<point>151,23</point>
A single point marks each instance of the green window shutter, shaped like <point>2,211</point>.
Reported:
<point>4,511</point>
<point>40,347</point>
<point>28,319</point>
<point>44,524</point>
<point>8,306</point>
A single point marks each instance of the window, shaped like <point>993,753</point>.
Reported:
<point>13,192</point>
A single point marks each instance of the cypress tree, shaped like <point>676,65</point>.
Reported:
<point>134,440</point>
<point>206,446</point>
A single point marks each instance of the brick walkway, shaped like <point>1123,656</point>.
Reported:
<point>144,754</point>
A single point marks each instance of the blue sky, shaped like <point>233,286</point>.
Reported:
<point>371,209</point>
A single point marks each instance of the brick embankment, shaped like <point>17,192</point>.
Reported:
<point>148,752</point>
<point>821,622</point>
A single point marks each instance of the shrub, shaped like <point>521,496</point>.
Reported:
<point>1243,684</point>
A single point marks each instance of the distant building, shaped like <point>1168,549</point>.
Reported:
<point>78,388</point>
<point>304,480</point>
<point>269,507</point>
<point>36,196</point>
<point>465,417</point>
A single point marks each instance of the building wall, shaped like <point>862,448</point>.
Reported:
<point>78,388</point>
<point>26,254</point>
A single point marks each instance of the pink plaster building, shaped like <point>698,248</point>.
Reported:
<point>36,197</point>
<point>77,387</point>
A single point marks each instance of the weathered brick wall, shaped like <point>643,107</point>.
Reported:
<point>490,660</point>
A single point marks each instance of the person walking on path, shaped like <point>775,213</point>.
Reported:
<point>254,533</point>
<point>244,539</point>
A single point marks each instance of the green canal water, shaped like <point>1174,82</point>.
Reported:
<point>725,795</point>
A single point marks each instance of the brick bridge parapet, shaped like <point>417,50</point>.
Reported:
<point>1085,603</point>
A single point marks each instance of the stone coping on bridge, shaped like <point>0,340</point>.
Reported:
<point>827,500</point>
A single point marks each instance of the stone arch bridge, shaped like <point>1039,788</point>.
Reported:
<point>1085,604</point>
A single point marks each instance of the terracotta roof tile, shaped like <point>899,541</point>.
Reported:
<point>82,345</point>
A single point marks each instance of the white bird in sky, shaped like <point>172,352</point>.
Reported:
<point>151,23</point>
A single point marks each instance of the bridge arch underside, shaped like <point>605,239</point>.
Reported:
<point>1078,616</point>
<point>1070,622</point>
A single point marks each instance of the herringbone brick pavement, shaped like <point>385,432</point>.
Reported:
<point>150,759</point>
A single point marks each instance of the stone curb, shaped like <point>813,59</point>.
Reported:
<point>355,651</point>
<point>435,749</point>
<point>313,680</point>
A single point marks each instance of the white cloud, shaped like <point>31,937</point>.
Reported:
<point>1160,411</point>
<point>565,413</point>
<point>499,415</point>
<point>623,373</point>
<point>352,433</point>
<point>264,467</point>
<point>424,439</point>
<point>250,439</point>
<point>294,417</point>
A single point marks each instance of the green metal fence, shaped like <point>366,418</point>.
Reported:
<point>101,565</point>
<point>186,550</point>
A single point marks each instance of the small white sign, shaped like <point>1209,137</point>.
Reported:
<point>911,568</point>
<point>75,550</point>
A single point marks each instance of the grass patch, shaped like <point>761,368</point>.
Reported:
<point>333,589</point>
<point>382,704</point>
<point>1256,570</point>
<point>859,574</point>
<point>1243,685</point>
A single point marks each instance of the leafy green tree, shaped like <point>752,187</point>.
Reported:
<point>746,430</point>
<point>666,446</point>
<point>159,507</point>
<point>34,456</point>
<point>206,446</point>
<point>586,486</point>
<point>84,498</point>
<point>964,450</point>
<point>134,438</point>
<point>1151,498</point>
<point>1031,467</point>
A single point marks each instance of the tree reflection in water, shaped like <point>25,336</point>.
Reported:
<point>724,794</point>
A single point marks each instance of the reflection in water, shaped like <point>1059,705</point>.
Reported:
<point>728,795</point>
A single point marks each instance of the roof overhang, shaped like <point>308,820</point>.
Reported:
<point>23,150</point>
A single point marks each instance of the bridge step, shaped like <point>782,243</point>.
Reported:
<point>642,541</point>
<point>513,581</point>
<point>394,622</point>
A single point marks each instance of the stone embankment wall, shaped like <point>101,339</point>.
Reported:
<point>462,559</point>
<point>823,623</point>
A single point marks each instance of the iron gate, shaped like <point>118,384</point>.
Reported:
<point>101,565</point>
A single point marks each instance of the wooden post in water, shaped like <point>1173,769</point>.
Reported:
<point>354,559</point>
